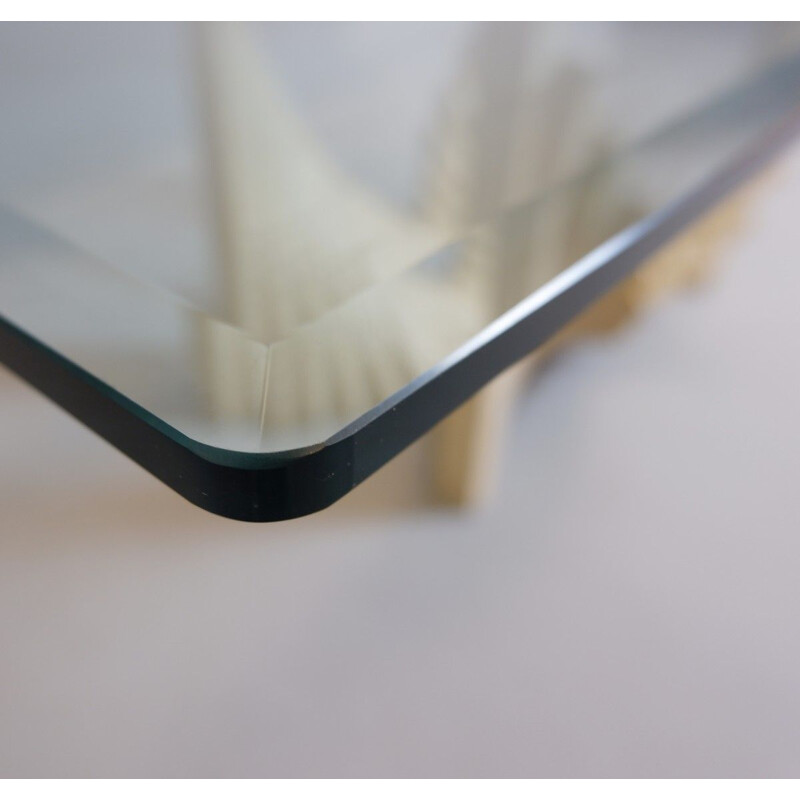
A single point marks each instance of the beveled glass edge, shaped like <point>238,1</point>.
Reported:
<point>508,338</point>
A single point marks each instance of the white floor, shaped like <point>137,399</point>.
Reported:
<point>628,605</point>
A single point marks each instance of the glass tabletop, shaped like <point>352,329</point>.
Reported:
<point>263,259</point>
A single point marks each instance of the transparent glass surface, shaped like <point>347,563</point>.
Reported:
<point>257,234</point>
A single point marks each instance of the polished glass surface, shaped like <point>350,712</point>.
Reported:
<point>255,236</point>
